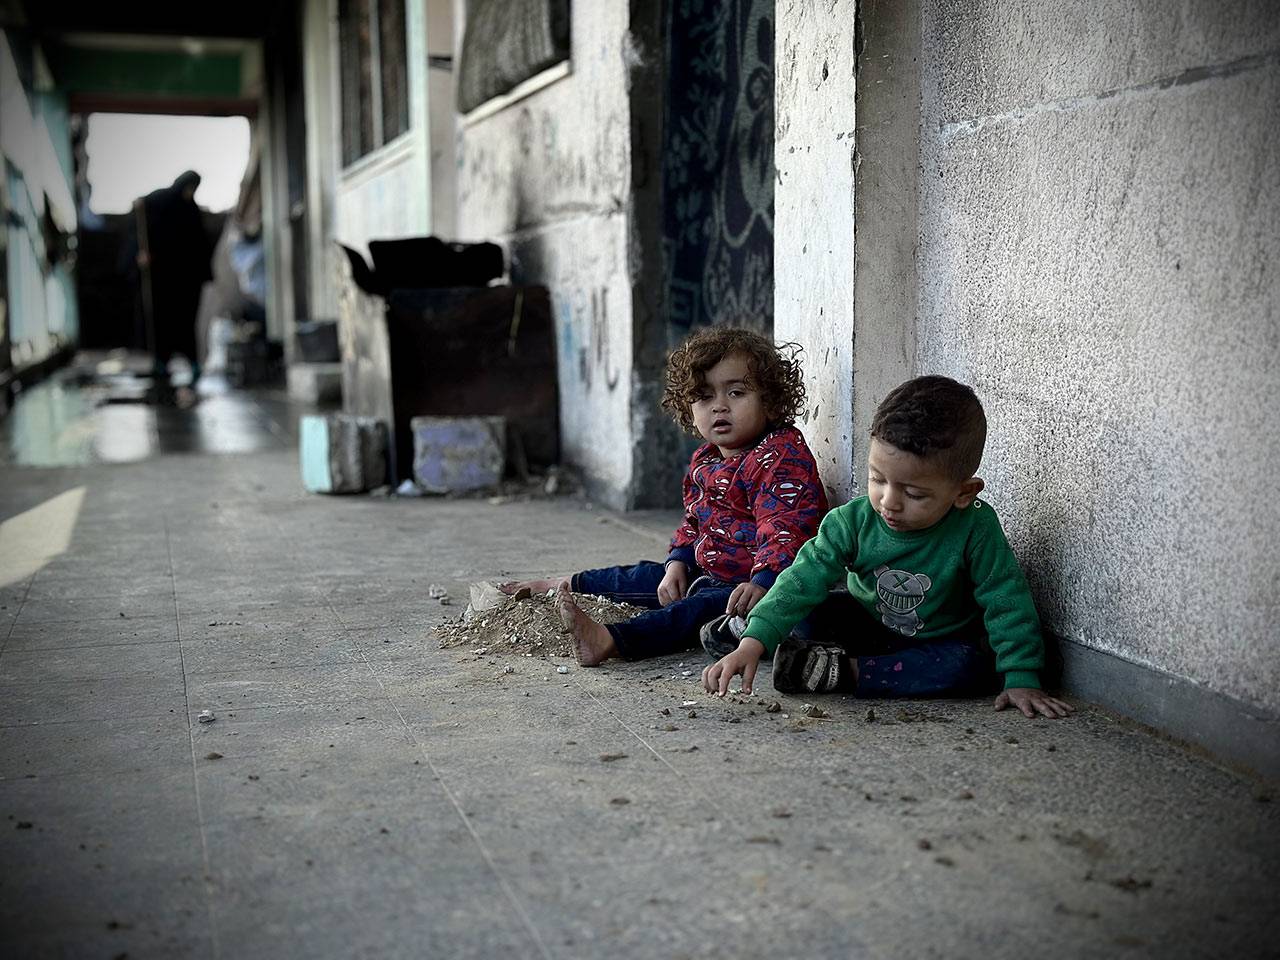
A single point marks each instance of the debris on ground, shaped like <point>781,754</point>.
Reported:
<point>437,592</point>
<point>206,716</point>
<point>813,711</point>
<point>527,627</point>
<point>562,669</point>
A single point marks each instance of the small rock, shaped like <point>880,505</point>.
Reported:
<point>870,716</point>
<point>814,711</point>
<point>944,861</point>
<point>665,711</point>
<point>692,714</point>
<point>524,593</point>
<point>508,669</point>
<point>610,757</point>
<point>686,673</point>
<point>965,795</point>
<point>562,669</point>
<point>924,844</point>
<point>782,813</point>
<point>206,716</point>
<point>774,707</point>
<point>213,756</point>
<point>619,801</point>
<point>23,825</point>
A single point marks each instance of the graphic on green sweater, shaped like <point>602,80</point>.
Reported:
<point>900,593</point>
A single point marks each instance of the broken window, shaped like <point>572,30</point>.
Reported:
<point>374,71</point>
<point>506,42</point>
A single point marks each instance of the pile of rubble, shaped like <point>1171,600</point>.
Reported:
<point>530,626</point>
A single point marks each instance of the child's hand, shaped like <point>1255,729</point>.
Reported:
<point>744,660</point>
<point>744,597</point>
<point>674,583</point>
<point>1032,701</point>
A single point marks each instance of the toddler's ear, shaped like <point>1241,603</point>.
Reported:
<point>969,490</point>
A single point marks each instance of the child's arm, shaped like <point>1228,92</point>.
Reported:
<point>787,506</point>
<point>1009,615</point>
<point>798,589</point>
<point>675,582</point>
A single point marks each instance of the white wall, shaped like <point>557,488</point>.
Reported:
<point>549,177</point>
<point>1100,234</point>
<point>814,222</point>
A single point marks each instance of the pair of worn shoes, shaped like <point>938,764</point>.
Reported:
<point>798,666</point>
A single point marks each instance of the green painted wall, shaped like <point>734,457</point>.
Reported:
<point>146,72</point>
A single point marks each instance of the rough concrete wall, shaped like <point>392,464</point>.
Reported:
<point>1099,229</point>
<point>886,291</point>
<point>549,177</point>
<point>814,210</point>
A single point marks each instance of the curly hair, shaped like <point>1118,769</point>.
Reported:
<point>774,371</point>
<point>936,418</point>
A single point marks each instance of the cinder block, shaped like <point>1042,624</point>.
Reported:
<point>457,454</point>
<point>343,454</point>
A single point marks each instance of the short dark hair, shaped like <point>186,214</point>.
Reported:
<point>937,418</point>
<point>774,371</point>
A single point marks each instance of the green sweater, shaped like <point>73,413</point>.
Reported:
<point>919,583</point>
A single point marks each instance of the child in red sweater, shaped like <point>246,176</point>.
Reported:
<point>752,497</point>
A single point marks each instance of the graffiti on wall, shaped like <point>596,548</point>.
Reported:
<point>718,170</point>
<point>583,330</point>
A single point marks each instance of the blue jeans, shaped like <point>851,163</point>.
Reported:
<point>659,630</point>
<point>891,665</point>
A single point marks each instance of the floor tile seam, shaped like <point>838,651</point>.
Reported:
<point>17,613</point>
<point>191,738</point>
<point>507,889</point>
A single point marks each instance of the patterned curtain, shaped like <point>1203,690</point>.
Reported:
<point>717,166</point>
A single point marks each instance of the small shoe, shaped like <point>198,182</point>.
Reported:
<point>810,668</point>
<point>720,637</point>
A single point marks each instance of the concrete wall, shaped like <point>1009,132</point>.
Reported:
<point>35,163</point>
<point>814,220</point>
<point>1099,218</point>
<point>549,176</point>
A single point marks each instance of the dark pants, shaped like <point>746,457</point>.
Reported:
<point>891,665</point>
<point>660,629</point>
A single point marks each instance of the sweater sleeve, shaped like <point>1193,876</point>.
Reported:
<point>820,563</point>
<point>686,534</point>
<point>787,506</point>
<point>1008,612</point>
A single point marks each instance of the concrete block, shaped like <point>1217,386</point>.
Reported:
<point>458,454</point>
<point>342,454</point>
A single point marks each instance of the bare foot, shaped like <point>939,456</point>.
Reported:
<point>592,643</point>
<point>533,586</point>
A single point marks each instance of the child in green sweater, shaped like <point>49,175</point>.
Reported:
<point>934,588</point>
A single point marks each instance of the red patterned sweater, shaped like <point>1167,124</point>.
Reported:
<point>745,517</point>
